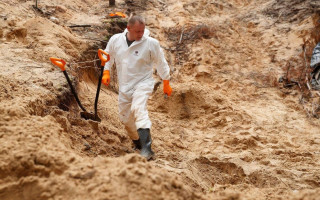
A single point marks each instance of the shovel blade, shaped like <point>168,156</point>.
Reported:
<point>90,116</point>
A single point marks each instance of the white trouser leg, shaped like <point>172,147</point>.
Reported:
<point>126,116</point>
<point>133,111</point>
<point>139,106</point>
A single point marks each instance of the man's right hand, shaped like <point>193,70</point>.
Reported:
<point>106,77</point>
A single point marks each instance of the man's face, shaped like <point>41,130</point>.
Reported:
<point>136,31</point>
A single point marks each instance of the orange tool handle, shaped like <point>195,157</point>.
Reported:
<point>103,59</point>
<point>59,62</point>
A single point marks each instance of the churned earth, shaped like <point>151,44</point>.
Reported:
<point>241,123</point>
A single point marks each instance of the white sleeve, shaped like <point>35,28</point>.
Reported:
<point>109,50</point>
<point>159,60</point>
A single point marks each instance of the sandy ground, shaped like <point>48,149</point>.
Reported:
<point>229,131</point>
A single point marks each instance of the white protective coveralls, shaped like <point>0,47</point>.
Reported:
<point>134,69</point>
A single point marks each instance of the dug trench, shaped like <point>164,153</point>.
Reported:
<point>86,137</point>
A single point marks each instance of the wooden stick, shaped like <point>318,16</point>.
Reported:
<point>181,34</point>
<point>73,26</point>
<point>308,86</point>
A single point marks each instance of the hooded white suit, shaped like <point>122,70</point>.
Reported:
<point>135,67</point>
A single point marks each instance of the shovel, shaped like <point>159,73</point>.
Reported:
<point>84,114</point>
<point>103,62</point>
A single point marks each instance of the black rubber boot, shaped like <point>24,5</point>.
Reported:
<point>136,144</point>
<point>145,142</point>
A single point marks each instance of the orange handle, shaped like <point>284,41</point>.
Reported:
<point>59,62</point>
<point>103,59</point>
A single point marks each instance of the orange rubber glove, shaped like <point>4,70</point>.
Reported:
<point>166,87</point>
<point>106,77</point>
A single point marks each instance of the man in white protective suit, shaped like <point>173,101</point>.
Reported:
<point>135,54</point>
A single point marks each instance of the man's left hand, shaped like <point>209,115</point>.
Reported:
<point>166,87</point>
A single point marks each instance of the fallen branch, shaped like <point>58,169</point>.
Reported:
<point>181,35</point>
<point>74,26</point>
<point>309,87</point>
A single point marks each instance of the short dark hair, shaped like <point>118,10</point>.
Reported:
<point>134,19</point>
